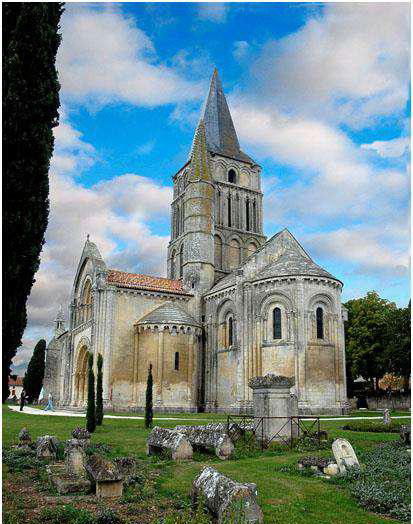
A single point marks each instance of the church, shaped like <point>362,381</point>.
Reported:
<point>235,305</point>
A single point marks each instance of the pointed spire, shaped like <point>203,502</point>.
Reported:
<point>199,158</point>
<point>60,316</point>
<point>221,136</point>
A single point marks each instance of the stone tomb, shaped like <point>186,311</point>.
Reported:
<point>167,440</point>
<point>272,398</point>
<point>344,454</point>
<point>70,477</point>
<point>24,439</point>
<point>106,476</point>
<point>223,496</point>
<point>209,437</point>
<point>46,447</point>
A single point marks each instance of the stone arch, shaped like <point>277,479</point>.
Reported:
<point>234,253</point>
<point>80,379</point>
<point>250,247</point>
<point>226,324</point>
<point>172,262</point>
<point>323,302</point>
<point>269,304</point>
<point>84,301</point>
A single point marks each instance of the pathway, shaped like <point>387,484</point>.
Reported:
<point>34,411</point>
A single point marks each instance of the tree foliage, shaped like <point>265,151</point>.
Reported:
<point>91,408</point>
<point>30,111</point>
<point>377,338</point>
<point>33,378</point>
<point>149,397</point>
<point>99,392</point>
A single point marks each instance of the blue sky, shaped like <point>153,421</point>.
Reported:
<point>319,94</point>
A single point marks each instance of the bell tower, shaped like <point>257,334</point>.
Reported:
<point>236,211</point>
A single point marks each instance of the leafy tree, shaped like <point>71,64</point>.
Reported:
<point>33,378</point>
<point>398,351</point>
<point>99,392</point>
<point>30,111</point>
<point>91,410</point>
<point>367,336</point>
<point>148,403</point>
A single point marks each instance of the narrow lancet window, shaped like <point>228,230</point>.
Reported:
<point>247,214</point>
<point>229,211</point>
<point>177,361</point>
<point>320,323</point>
<point>276,323</point>
<point>231,176</point>
<point>230,331</point>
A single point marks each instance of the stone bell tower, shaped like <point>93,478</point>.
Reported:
<point>232,180</point>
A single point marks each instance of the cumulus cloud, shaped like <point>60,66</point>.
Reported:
<point>215,12</point>
<point>349,65</point>
<point>240,49</point>
<point>105,58</point>
<point>389,148</point>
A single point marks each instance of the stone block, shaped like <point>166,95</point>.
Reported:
<point>109,489</point>
<point>223,495</point>
<point>210,436</point>
<point>106,476</point>
<point>344,454</point>
<point>46,447</point>
<point>163,439</point>
<point>65,483</point>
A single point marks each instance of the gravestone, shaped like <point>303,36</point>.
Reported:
<point>24,438</point>
<point>210,436</point>
<point>223,496</point>
<point>163,439</point>
<point>75,458</point>
<point>344,454</point>
<point>106,475</point>
<point>46,447</point>
<point>272,398</point>
<point>386,417</point>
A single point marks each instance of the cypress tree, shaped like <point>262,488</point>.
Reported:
<point>30,111</point>
<point>91,410</point>
<point>99,392</point>
<point>148,403</point>
<point>33,378</point>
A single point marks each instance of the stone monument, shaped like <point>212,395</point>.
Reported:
<point>344,454</point>
<point>386,417</point>
<point>272,398</point>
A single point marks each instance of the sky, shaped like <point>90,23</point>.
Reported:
<point>320,98</point>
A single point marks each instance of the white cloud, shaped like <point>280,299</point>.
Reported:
<point>389,148</point>
<point>240,50</point>
<point>105,58</point>
<point>146,148</point>
<point>350,65</point>
<point>216,12</point>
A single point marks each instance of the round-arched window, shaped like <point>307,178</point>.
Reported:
<point>232,176</point>
<point>320,322</point>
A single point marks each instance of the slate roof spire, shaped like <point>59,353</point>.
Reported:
<point>221,137</point>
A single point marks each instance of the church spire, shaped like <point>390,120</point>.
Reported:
<point>221,137</point>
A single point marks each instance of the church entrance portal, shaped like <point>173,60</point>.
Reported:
<point>81,377</point>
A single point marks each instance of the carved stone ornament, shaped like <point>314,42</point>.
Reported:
<point>271,381</point>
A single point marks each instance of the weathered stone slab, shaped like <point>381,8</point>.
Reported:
<point>75,458</point>
<point>24,438</point>
<point>106,475</point>
<point>65,483</point>
<point>344,454</point>
<point>210,437</point>
<point>46,447</point>
<point>127,467</point>
<point>223,495</point>
<point>163,439</point>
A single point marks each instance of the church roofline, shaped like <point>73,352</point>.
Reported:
<point>146,282</point>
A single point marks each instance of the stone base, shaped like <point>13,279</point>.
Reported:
<point>109,489</point>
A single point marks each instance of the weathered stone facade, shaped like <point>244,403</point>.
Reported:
<point>234,305</point>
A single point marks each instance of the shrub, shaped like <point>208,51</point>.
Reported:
<point>99,448</point>
<point>108,516</point>
<point>375,427</point>
<point>19,460</point>
<point>91,409</point>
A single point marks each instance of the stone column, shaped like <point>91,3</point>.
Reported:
<point>272,398</point>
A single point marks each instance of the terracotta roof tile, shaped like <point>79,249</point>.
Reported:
<point>137,281</point>
<point>17,382</point>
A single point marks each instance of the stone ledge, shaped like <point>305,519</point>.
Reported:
<point>271,381</point>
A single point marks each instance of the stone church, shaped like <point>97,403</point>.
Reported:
<point>235,305</point>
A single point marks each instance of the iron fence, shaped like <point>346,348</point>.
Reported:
<point>253,429</point>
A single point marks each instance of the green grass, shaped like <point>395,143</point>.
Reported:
<point>284,496</point>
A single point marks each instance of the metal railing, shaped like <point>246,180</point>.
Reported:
<point>251,429</point>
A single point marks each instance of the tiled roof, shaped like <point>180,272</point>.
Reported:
<point>168,313</point>
<point>17,382</point>
<point>137,281</point>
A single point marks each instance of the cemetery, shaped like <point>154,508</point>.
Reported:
<point>201,468</point>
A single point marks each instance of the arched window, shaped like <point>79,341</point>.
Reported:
<point>320,322</point>
<point>254,216</point>
<point>232,176</point>
<point>276,323</point>
<point>229,211</point>
<point>173,263</point>
<point>230,331</point>
<point>247,214</point>
<point>177,361</point>
<point>86,303</point>
<point>234,258</point>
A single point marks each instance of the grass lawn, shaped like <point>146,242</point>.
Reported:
<point>285,497</point>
